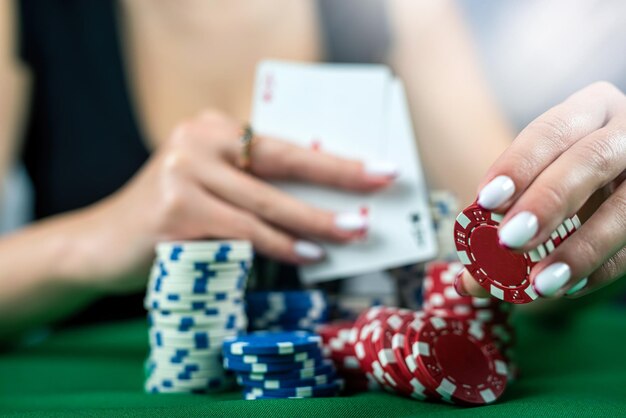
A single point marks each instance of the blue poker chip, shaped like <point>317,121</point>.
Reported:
<point>262,342</point>
<point>272,358</point>
<point>326,367</point>
<point>327,390</point>
<point>271,383</point>
<point>272,367</point>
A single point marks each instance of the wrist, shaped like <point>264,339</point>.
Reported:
<point>104,249</point>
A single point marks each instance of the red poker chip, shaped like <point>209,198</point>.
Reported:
<point>420,380</point>
<point>382,341</point>
<point>334,330</point>
<point>439,275</point>
<point>367,353</point>
<point>486,316</point>
<point>363,319</point>
<point>459,360</point>
<point>504,273</point>
<point>439,290</point>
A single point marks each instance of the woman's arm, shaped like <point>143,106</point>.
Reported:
<point>458,126</point>
<point>28,260</point>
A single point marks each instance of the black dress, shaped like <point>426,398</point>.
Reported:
<point>82,140</point>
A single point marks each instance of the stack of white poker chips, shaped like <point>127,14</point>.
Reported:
<point>194,301</point>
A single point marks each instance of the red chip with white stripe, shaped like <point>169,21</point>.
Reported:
<point>503,272</point>
<point>458,359</point>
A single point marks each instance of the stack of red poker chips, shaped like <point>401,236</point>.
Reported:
<point>458,349</point>
<point>429,357</point>
<point>338,348</point>
<point>442,299</point>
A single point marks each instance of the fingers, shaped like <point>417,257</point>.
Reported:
<point>612,269</point>
<point>465,285</point>
<point>216,133</point>
<point>279,208</point>
<point>280,160</point>
<point>544,140</point>
<point>597,241</point>
<point>227,221</point>
<point>561,189</point>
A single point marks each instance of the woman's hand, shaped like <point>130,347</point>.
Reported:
<point>193,188</point>
<point>572,159</point>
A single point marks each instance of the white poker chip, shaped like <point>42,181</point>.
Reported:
<point>187,274</point>
<point>198,320</point>
<point>205,256</point>
<point>175,334</point>
<point>176,306</point>
<point>216,300</point>
<point>190,266</point>
<point>195,288</point>
<point>168,385</point>
<point>204,245</point>
<point>191,354</point>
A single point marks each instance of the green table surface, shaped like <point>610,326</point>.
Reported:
<point>578,370</point>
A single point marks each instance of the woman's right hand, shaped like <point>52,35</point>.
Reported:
<point>193,188</point>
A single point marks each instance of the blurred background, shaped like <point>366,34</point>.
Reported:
<point>534,53</point>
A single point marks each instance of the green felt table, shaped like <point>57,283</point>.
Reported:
<point>578,370</point>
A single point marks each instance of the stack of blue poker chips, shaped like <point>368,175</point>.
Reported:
<point>195,301</point>
<point>278,365</point>
<point>286,310</point>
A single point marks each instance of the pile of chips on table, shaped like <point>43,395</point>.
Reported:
<point>194,301</point>
<point>275,365</point>
<point>286,310</point>
<point>433,354</point>
<point>442,299</point>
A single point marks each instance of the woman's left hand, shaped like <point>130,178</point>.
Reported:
<point>572,159</point>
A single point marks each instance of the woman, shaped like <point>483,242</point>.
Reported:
<point>131,113</point>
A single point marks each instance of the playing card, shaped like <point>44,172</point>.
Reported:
<point>355,111</point>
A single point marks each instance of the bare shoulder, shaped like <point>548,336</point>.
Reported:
<point>8,35</point>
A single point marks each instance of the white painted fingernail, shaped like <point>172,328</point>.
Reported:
<point>381,169</point>
<point>578,286</point>
<point>551,279</point>
<point>519,230</point>
<point>496,192</point>
<point>309,250</point>
<point>350,221</point>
